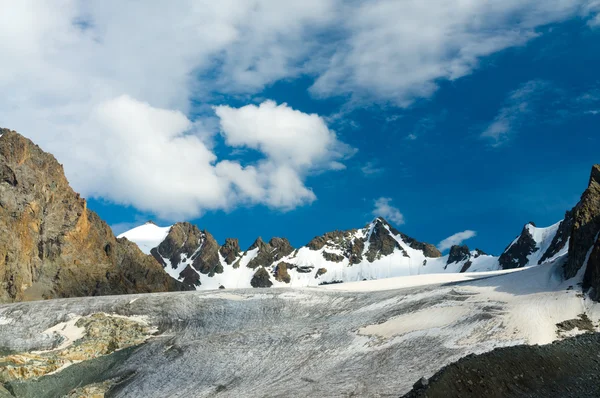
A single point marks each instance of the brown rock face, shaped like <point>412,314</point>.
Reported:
<point>261,278</point>
<point>276,249</point>
<point>51,245</point>
<point>230,250</point>
<point>381,243</point>
<point>281,273</point>
<point>186,243</point>
<point>586,225</point>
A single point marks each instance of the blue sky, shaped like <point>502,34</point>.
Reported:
<point>493,125</point>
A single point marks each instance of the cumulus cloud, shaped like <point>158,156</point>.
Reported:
<point>123,92</point>
<point>153,158</point>
<point>518,105</point>
<point>383,208</point>
<point>456,239</point>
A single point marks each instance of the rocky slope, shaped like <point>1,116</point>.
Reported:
<point>567,369</point>
<point>51,245</point>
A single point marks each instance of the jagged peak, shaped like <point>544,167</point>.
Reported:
<point>258,243</point>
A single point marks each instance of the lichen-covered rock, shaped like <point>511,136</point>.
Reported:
<point>261,278</point>
<point>100,334</point>
<point>51,245</point>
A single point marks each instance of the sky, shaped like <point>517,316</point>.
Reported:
<point>457,120</point>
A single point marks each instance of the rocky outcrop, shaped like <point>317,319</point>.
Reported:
<point>458,254</point>
<point>185,243</point>
<point>230,250</point>
<point>381,242</point>
<point>281,273</point>
<point>515,255</point>
<point>261,278</point>
<point>268,253</point>
<point>51,245</point>
<point>560,239</point>
<point>586,225</point>
<point>479,253</point>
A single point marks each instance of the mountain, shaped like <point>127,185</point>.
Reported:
<point>51,244</point>
<point>376,251</point>
<point>534,246</point>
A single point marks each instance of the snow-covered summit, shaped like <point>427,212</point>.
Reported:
<point>147,236</point>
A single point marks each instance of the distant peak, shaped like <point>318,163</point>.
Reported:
<point>150,222</point>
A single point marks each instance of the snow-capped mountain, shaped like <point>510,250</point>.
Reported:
<point>375,251</point>
<point>535,246</point>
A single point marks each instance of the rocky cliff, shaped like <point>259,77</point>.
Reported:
<point>51,245</point>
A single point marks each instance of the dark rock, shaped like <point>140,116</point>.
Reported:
<point>381,242</point>
<point>422,383</point>
<point>560,239</point>
<point>583,323</point>
<point>458,254</point>
<point>566,369</point>
<point>330,283</point>
<point>230,250</point>
<point>190,277</point>
<point>261,278</point>
<point>515,256</point>
<point>320,271</point>
<point>304,269</point>
<point>479,252</point>
<point>221,287</point>
<point>466,266</point>
<point>591,278</point>
<point>585,229</point>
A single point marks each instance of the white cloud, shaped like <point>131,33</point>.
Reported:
<point>122,92</point>
<point>398,50</point>
<point>153,158</point>
<point>455,239</point>
<point>384,209</point>
<point>509,118</point>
